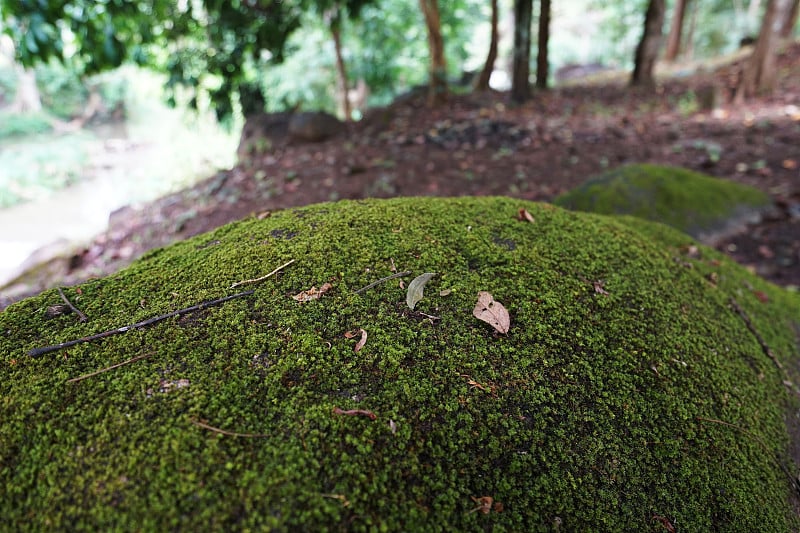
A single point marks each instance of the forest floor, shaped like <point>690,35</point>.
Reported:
<point>481,144</point>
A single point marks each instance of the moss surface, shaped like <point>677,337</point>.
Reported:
<point>694,203</point>
<point>605,407</point>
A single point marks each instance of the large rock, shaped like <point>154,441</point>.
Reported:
<point>705,207</point>
<point>644,383</point>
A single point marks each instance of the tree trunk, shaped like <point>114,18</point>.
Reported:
<point>521,67</point>
<point>341,70</point>
<point>437,84</point>
<point>482,82</point>
<point>542,61</point>
<point>688,48</point>
<point>791,20</point>
<point>760,72</point>
<point>676,30</point>
<point>27,98</point>
<point>647,50</point>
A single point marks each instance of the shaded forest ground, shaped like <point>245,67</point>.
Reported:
<point>480,144</point>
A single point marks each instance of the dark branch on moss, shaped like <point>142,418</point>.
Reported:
<point>760,442</point>
<point>47,349</point>
<point>382,280</point>
<point>764,346</point>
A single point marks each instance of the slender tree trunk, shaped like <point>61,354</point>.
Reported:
<point>676,30</point>
<point>482,82</point>
<point>27,98</point>
<point>437,85</point>
<point>520,71</point>
<point>760,72</point>
<point>688,47</point>
<point>791,20</point>
<point>647,50</point>
<point>341,70</point>
<point>542,61</point>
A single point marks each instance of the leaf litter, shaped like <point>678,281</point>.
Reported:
<point>492,312</point>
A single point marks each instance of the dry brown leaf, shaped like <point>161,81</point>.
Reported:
<point>360,344</point>
<point>524,215</point>
<point>492,312</point>
<point>599,287</point>
<point>313,293</point>
<point>484,504</point>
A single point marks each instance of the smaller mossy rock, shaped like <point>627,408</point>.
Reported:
<point>705,207</point>
<point>632,391</point>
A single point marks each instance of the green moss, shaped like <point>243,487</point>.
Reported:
<point>694,203</point>
<point>597,411</point>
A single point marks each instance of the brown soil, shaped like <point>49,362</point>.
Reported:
<point>481,144</point>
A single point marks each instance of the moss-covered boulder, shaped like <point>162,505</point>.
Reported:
<point>705,207</point>
<point>643,384</point>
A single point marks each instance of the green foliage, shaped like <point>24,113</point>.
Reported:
<point>21,124</point>
<point>62,90</point>
<point>31,168</point>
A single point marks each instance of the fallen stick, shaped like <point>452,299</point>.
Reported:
<point>112,367</point>
<point>47,349</point>
<point>262,278</point>
<point>81,316</point>
<point>229,433</point>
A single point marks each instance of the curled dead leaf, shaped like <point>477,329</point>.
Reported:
<point>360,344</point>
<point>492,312</point>
<point>524,215</point>
<point>599,287</point>
<point>484,504</point>
<point>313,293</point>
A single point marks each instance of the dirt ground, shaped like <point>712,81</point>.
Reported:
<point>481,144</point>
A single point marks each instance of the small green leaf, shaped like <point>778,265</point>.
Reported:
<point>415,288</point>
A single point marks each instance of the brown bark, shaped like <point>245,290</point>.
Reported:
<point>341,70</point>
<point>27,98</point>
<point>760,72</point>
<point>482,81</point>
<point>676,30</point>
<point>791,20</point>
<point>647,50</point>
<point>437,84</point>
<point>542,61</point>
<point>520,71</point>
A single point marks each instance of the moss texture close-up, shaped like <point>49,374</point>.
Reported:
<point>645,382</point>
<point>702,206</point>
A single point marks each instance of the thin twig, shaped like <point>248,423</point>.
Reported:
<point>112,367</point>
<point>47,349</point>
<point>75,310</point>
<point>382,280</point>
<point>759,441</point>
<point>764,346</point>
<point>262,278</point>
<point>355,412</point>
<point>229,433</point>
